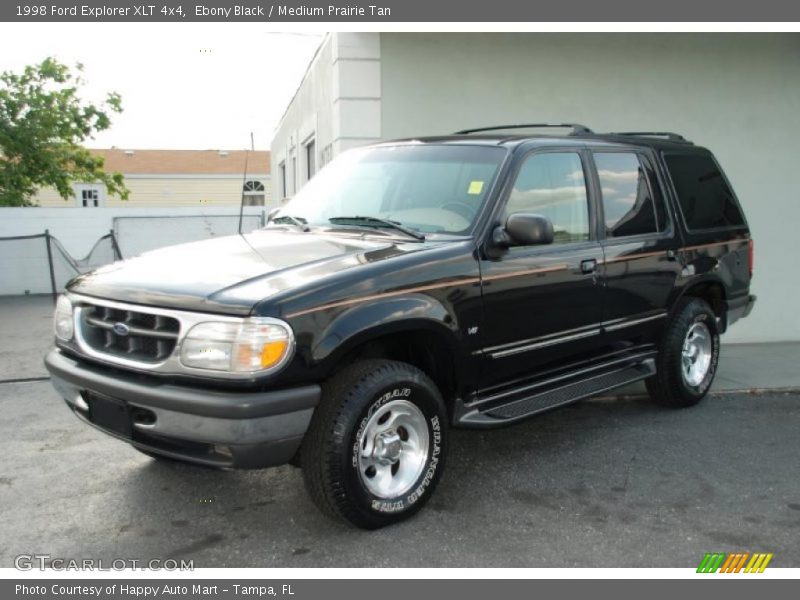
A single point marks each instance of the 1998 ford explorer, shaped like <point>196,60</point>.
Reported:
<point>471,280</point>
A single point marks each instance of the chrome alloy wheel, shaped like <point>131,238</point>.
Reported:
<point>393,449</point>
<point>696,354</point>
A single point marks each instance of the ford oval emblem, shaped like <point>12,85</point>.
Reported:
<point>121,329</point>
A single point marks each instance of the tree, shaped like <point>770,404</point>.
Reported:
<point>43,123</point>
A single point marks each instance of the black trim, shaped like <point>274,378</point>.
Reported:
<point>260,455</point>
<point>673,137</point>
<point>739,308</point>
<point>577,128</point>
<point>568,335</point>
<point>196,401</point>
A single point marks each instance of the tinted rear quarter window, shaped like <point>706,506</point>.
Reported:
<point>704,196</point>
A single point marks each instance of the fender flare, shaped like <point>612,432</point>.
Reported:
<point>364,322</point>
<point>705,278</point>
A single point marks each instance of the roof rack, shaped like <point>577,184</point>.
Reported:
<point>577,129</point>
<point>665,134</point>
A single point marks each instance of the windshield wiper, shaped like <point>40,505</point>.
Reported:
<point>301,223</point>
<point>377,221</point>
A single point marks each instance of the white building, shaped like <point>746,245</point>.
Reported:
<point>738,94</point>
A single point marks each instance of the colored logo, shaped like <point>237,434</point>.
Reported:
<point>121,329</point>
<point>734,562</point>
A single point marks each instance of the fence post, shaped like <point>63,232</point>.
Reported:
<point>50,264</point>
<point>115,246</point>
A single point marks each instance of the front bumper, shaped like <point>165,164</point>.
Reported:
<point>238,429</point>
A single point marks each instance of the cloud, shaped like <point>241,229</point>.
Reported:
<point>618,176</point>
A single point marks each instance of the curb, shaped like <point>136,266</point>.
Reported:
<point>25,380</point>
<point>731,392</point>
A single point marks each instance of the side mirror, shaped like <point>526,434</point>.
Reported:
<point>524,229</point>
<point>271,214</point>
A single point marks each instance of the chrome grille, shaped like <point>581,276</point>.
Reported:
<point>129,334</point>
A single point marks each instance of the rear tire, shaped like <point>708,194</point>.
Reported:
<point>688,356</point>
<point>375,448</point>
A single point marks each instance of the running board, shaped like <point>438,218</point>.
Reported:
<point>540,401</point>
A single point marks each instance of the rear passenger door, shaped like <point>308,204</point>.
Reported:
<point>640,245</point>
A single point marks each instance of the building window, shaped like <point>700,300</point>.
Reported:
<point>89,196</point>
<point>253,186</point>
<point>253,193</point>
<point>325,155</point>
<point>282,168</point>
<point>311,165</point>
<point>294,174</point>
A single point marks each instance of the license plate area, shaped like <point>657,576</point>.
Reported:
<point>109,414</point>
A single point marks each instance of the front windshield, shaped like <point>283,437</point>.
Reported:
<point>427,188</point>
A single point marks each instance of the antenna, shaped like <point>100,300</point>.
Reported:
<point>244,180</point>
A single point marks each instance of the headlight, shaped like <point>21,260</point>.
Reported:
<point>256,345</point>
<point>63,322</point>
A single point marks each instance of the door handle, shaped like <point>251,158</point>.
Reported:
<point>672,255</point>
<point>589,265</point>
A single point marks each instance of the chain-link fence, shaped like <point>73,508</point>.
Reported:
<point>41,264</point>
<point>36,264</point>
<point>142,233</point>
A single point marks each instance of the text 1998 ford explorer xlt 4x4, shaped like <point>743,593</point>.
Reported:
<point>468,281</point>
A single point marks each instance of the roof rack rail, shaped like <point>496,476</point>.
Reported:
<point>577,129</point>
<point>665,134</point>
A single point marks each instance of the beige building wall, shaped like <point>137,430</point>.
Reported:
<point>171,191</point>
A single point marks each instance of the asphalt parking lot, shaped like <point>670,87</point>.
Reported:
<point>600,483</point>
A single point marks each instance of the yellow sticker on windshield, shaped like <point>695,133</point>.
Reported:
<point>475,188</point>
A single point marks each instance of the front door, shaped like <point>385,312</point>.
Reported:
<point>543,304</point>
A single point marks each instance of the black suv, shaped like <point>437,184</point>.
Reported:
<point>471,280</point>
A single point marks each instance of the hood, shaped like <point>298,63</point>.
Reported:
<point>205,275</point>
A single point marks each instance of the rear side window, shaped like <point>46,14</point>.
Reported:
<point>705,198</point>
<point>632,204</point>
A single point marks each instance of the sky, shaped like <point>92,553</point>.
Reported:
<point>183,86</point>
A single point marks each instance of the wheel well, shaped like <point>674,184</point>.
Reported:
<point>713,293</point>
<point>426,350</point>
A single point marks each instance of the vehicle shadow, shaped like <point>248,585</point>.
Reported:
<point>573,464</point>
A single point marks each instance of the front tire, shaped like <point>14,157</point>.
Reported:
<point>688,356</point>
<point>375,448</point>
